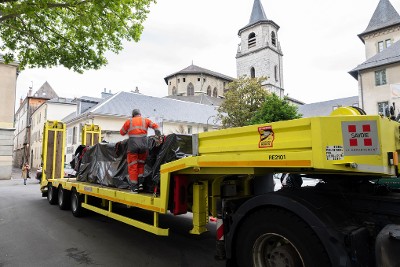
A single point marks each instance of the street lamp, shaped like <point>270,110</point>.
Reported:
<point>214,127</point>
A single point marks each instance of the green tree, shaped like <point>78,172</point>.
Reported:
<point>243,99</point>
<point>275,109</point>
<point>72,33</point>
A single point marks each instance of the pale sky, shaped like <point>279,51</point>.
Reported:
<point>318,39</point>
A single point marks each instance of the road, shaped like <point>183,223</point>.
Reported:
<point>35,233</point>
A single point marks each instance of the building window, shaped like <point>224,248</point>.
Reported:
<point>383,108</point>
<point>388,43</point>
<point>273,38</point>
<point>276,72</point>
<point>209,90</point>
<point>169,82</point>
<point>252,40</point>
<point>252,72</point>
<point>215,92</point>
<point>184,79</point>
<point>74,135</point>
<point>189,129</point>
<point>198,79</point>
<point>380,46</point>
<point>190,89</point>
<point>174,91</point>
<point>69,136</point>
<point>380,77</point>
<point>179,80</point>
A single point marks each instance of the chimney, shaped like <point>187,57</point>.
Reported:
<point>137,90</point>
<point>21,101</point>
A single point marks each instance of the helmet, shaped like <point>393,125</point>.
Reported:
<point>135,112</point>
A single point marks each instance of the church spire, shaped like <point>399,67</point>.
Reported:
<point>257,13</point>
<point>384,16</point>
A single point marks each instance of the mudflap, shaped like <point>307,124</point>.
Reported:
<point>387,246</point>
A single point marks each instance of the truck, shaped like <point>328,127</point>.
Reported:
<point>348,218</point>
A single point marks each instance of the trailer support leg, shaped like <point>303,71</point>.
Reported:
<point>200,207</point>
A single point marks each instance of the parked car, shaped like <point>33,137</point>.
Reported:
<point>69,171</point>
<point>39,173</point>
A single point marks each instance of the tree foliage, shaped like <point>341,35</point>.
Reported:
<point>275,109</point>
<point>244,97</point>
<point>72,33</point>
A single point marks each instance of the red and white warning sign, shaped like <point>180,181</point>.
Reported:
<point>360,138</point>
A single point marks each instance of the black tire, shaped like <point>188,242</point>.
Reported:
<point>64,200</point>
<point>76,204</point>
<point>276,237</point>
<point>51,194</point>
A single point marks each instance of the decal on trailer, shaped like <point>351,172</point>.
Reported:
<point>266,136</point>
<point>360,138</point>
<point>334,152</point>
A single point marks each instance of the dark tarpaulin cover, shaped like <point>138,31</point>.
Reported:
<point>105,163</point>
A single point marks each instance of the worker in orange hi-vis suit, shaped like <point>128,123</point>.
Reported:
<point>136,128</point>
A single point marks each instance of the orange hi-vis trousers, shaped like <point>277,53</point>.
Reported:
<point>135,165</point>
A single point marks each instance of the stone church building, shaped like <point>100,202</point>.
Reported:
<point>259,54</point>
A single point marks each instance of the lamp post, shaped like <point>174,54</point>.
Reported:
<point>214,121</point>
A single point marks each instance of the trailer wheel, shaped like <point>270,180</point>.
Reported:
<point>63,198</point>
<point>76,204</point>
<point>51,194</point>
<point>275,237</point>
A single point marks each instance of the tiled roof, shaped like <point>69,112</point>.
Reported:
<point>201,99</point>
<point>388,56</point>
<point>325,108</point>
<point>45,91</point>
<point>122,103</point>
<point>193,69</point>
<point>384,16</point>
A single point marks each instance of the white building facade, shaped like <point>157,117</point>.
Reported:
<point>53,109</point>
<point>378,77</point>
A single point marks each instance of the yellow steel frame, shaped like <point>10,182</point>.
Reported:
<point>91,129</point>
<point>51,126</point>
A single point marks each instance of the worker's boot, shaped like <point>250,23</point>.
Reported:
<point>134,187</point>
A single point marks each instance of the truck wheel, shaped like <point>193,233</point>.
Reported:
<point>51,194</point>
<point>76,204</point>
<point>275,237</point>
<point>63,198</point>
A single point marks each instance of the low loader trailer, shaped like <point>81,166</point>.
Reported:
<point>347,219</point>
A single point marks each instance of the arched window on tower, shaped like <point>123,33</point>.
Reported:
<point>276,73</point>
<point>215,92</point>
<point>190,89</point>
<point>252,72</point>
<point>209,90</point>
<point>174,91</point>
<point>252,40</point>
<point>273,38</point>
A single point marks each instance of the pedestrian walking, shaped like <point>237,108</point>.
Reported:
<point>25,172</point>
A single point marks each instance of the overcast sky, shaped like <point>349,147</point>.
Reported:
<point>318,39</point>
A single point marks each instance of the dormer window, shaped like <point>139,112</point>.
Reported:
<point>252,40</point>
<point>273,38</point>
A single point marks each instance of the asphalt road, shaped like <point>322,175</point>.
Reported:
<point>35,233</point>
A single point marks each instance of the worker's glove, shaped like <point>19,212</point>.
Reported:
<point>158,133</point>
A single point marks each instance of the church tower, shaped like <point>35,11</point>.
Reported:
<point>259,52</point>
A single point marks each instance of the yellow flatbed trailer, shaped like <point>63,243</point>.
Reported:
<point>230,175</point>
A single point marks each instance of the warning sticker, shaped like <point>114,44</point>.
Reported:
<point>334,153</point>
<point>360,138</point>
<point>266,136</point>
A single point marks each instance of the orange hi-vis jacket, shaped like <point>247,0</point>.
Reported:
<point>137,127</point>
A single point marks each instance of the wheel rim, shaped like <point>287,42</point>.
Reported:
<point>60,196</point>
<point>50,193</point>
<point>74,202</point>
<point>274,250</point>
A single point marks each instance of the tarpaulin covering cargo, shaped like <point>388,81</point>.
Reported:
<point>105,163</point>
